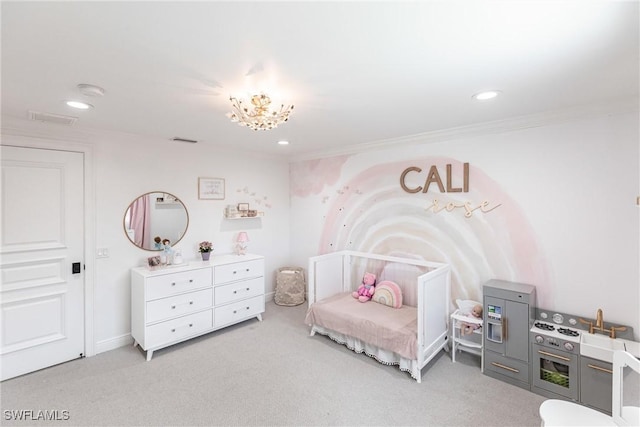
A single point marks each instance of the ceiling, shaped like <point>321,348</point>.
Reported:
<point>357,72</point>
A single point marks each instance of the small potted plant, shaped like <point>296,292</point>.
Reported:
<point>205,250</point>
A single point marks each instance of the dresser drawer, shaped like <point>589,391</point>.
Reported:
<point>176,329</point>
<point>175,283</point>
<point>238,271</point>
<point>239,290</point>
<point>178,305</point>
<point>237,311</point>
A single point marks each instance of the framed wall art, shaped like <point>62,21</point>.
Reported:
<point>211,188</point>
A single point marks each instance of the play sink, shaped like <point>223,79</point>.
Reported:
<point>600,347</point>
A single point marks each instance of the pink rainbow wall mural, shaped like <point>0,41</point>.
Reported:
<point>371,212</point>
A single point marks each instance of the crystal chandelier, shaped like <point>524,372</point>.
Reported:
<point>258,116</point>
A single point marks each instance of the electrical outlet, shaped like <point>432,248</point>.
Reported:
<point>102,253</point>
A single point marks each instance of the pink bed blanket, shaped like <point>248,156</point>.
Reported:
<point>393,329</point>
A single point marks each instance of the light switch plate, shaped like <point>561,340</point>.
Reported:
<point>102,253</point>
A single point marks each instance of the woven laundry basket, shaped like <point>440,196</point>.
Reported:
<point>290,286</point>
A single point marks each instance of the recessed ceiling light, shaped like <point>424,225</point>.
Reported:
<point>489,94</point>
<point>281,142</point>
<point>79,105</point>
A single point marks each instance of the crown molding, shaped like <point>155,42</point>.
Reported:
<point>479,129</point>
<point>23,128</point>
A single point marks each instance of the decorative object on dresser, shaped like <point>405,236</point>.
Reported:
<point>205,249</point>
<point>508,315</point>
<point>241,243</point>
<point>172,305</point>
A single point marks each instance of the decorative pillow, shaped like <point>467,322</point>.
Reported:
<point>388,293</point>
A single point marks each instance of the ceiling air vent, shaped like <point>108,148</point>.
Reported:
<point>177,139</point>
<point>52,118</point>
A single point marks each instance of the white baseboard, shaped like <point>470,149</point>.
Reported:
<point>113,343</point>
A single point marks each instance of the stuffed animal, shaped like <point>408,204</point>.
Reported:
<point>467,328</point>
<point>366,289</point>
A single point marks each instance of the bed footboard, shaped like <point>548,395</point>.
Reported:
<point>434,294</point>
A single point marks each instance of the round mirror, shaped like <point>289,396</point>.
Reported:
<point>154,218</point>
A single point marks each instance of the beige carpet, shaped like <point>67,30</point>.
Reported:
<point>266,373</point>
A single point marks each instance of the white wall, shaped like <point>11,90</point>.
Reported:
<point>567,221</point>
<point>126,166</point>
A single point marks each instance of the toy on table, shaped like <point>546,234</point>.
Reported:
<point>158,243</point>
<point>167,252</point>
<point>467,328</point>
<point>366,289</point>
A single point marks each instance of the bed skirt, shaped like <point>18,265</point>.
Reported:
<point>385,357</point>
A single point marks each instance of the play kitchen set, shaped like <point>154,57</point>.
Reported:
<point>557,355</point>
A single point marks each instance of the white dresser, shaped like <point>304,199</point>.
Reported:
<point>175,304</point>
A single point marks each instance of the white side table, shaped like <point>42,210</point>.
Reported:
<point>471,343</point>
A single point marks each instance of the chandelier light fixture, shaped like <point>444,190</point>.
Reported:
<point>258,115</point>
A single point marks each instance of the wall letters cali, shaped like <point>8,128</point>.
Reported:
<point>433,176</point>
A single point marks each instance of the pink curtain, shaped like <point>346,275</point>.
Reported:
<point>140,210</point>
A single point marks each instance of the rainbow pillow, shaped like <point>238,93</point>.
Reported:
<point>388,293</point>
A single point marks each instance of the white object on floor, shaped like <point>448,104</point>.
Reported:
<point>472,343</point>
<point>558,413</point>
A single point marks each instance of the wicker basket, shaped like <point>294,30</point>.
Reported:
<point>290,286</point>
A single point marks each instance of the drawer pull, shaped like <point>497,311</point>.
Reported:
<point>174,283</point>
<point>190,326</point>
<point>235,292</point>
<point>247,288</point>
<point>505,367</point>
<point>173,307</point>
<point>598,368</point>
<point>235,311</point>
<point>566,359</point>
<point>247,308</point>
<point>247,270</point>
<point>234,272</point>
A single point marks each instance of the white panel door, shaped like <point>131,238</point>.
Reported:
<point>42,235</point>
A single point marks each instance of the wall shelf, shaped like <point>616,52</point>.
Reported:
<point>260,215</point>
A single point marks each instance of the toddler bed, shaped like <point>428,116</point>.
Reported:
<point>408,336</point>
